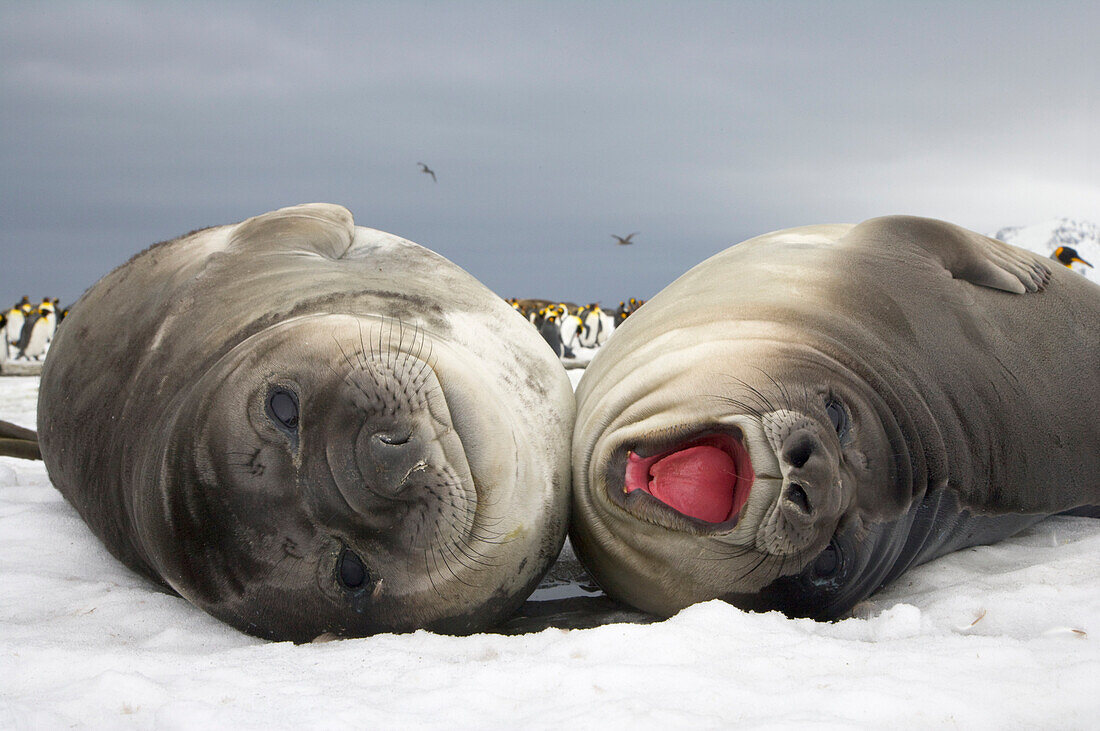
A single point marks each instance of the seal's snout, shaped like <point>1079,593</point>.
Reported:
<point>394,451</point>
<point>387,458</point>
<point>810,476</point>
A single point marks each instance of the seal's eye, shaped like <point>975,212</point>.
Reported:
<point>282,406</point>
<point>838,416</point>
<point>351,571</point>
<point>827,562</point>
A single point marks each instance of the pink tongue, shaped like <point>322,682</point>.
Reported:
<point>697,481</point>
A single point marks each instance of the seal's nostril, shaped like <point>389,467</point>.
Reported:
<point>798,449</point>
<point>394,440</point>
<point>797,495</point>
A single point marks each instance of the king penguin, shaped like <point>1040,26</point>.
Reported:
<point>37,332</point>
<point>1068,255</point>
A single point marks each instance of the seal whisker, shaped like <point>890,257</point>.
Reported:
<point>425,363</point>
<point>465,520</point>
<point>420,335</point>
<point>382,340</point>
<point>752,569</point>
<point>463,544</point>
<point>436,562</point>
<point>739,404</point>
<point>467,548</point>
<point>471,529</point>
<point>281,569</point>
<point>402,349</point>
<point>488,521</point>
<point>371,398</point>
<point>391,353</point>
<point>784,392</point>
<point>428,571</point>
<point>497,539</point>
<point>458,557</point>
<point>765,403</point>
<point>726,550</point>
<point>420,345</point>
<point>340,347</point>
<point>447,565</point>
<point>386,337</point>
<point>361,356</point>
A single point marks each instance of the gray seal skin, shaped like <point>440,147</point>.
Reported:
<point>799,419</point>
<point>307,427</point>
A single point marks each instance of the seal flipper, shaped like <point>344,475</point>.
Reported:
<point>323,228</point>
<point>966,255</point>
<point>15,441</point>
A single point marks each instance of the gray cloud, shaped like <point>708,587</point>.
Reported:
<point>551,127</point>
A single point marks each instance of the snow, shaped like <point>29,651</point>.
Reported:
<point>1043,238</point>
<point>1001,636</point>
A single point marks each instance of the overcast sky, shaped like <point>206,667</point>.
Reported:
<point>550,126</point>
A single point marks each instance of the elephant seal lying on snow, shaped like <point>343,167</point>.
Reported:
<point>304,426</point>
<point>799,419</point>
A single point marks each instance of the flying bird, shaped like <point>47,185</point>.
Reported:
<point>425,169</point>
<point>624,241</point>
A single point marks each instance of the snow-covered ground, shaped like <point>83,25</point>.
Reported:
<point>1003,636</point>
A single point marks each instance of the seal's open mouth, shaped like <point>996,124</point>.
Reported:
<point>708,479</point>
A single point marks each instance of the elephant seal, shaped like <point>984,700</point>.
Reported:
<point>799,419</point>
<point>308,427</point>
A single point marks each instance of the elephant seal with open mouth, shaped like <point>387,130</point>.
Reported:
<point>799,419</point>
<point>308,427</point>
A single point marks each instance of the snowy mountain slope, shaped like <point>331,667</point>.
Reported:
<point>1043,238</point>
